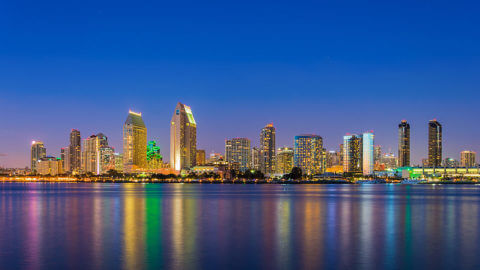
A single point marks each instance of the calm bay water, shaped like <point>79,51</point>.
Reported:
<point>204,226</point>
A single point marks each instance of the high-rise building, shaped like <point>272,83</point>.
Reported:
<point>404,144</point>
<point>91,153</point>
<point>377,154</point>
<point>467,159</point>
<point>49,166</point>
<point>154,157</point>
<point>367,155</point>
<point>38,151</point>
<point>200,157</point>
<point>267,149</point>
<point>308,154</point>
<point>333,159</point>
<point>106,159</point>
<point>134,143</point>
<point>434,143</point>
<point>118,162</point>
<point>238,154</point>
<point>352,153</point>
<point>65,156</point>
<point>256,153</point>
<point>75,148</point>
<point>284,160</point>
<point>183,138</point>
<point>389,160</point>
<point>450,163</point>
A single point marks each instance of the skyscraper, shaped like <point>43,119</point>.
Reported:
<point>106,160</point>
<point>434,143</point>
<point>38,151</point>
<point>367,155</point>
<point>154,157</point>
<point>134,143</point>
<point>75,151</point>
<point>91,153</point>
<point>255,158</point>
<point>238,154</point>
<point>267,149</point>
<point>284,160</point>
<point>352,153</point>
<point>404,144</point>
<point>308,154</point>
<point>467,159</point>
<point>183,138</point>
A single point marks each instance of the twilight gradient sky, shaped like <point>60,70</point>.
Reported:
<point>324,67</point>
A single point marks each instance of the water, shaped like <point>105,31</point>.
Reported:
<point>204,226</point>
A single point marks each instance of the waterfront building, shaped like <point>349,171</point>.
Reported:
<point>238,154</point>
<point>434,143</point>
<point>65,156</point>
<point>284,160</point>
<point>389,161</point>
<point>118,157</point>
<point>450,163</point>
<point>267,149</point>
<point>37,152</point>
<point>308,154</point>
<point>49,165</point>
<point>367,155</point>
<point>352,153</point>
<point>183,138</point>
<point>75,163</point>
<point>404,144</point>
<point>134,143</point>
<point>467,159</point>
<point>200,159</point>
<point>215,157</point>
<point>91,153</point>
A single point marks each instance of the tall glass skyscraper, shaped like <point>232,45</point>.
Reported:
<point>367,155</point>
<point>404,144</point>
<point>434,143</point>
<point>75,152</point>
<point>284,160</point>
<point>267,149</point>
<point>352,153</point>
<point>183,138</point>
<point>91,158</point>
<point>238,154</point>
<point>134,143</point>
<point>308,154</point>
<point>38,151</point>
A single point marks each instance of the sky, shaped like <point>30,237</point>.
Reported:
<point>321,67</point>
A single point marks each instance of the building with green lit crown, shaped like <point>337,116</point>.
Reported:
<point>154,158</point>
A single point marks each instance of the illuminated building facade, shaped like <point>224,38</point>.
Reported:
<point>201,160</point>
<point>333,159</point>
<point>106,159</point>
<point>238,154</point>
<point>434,143</point>
<point>37,152</point>
<point>154,157</point>
<point>49,166</point>
<point>450,163</point>
<point>183,138</point>
<point>404,144</point>
<point>118,162</point>
<point>134,143</point>
<point>284,160</point>
<point>215,157</point>
<point>75,151</point>
<point>352,153</point>
<point>367,155</point>
<point>308,154</point>
<point>91,153</point>
<point>267,149</point>
<point>467,159</point>
<point>256,154</point>
<point>65,156</point>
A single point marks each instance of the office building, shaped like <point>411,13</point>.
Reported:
<point>367,155</point>
<point>404,144</point>
<point>91,153</point>
<point>201,158</point>
<point>183,138</point>
<point>352,153</point>
<point>134,143</point>
<point>434,143</point>
<point>154,157</point>
<point>308,154</point>
<point>267,149</point>
<point>75,151</point>
<point>49,165</point>
<point>37,152</point>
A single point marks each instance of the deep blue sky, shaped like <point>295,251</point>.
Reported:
<point>309,67</point>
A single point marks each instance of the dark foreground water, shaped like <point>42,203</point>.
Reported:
<point>203,226</point>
